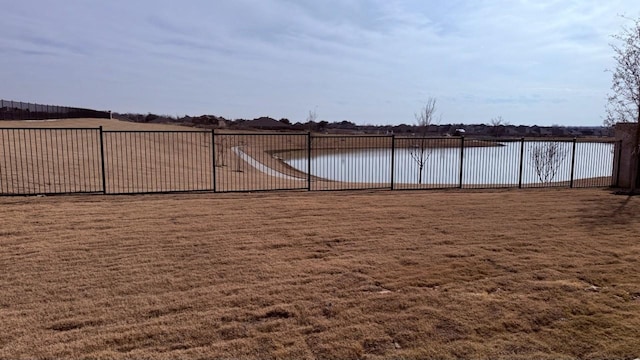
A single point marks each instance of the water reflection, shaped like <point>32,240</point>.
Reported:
<point>480,165</point>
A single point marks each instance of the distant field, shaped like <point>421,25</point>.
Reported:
<point>137,162</point>
<point>143,162</point>
<point>107,124</point>
<point>514,274</point>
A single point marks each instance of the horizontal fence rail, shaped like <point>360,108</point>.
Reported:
<point>92,160</point>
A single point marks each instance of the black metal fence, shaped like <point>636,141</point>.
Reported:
<point>18,110</point>
<point>93,160</point>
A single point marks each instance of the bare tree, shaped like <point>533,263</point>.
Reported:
<point>498,126</point>
<point>222,145</point>
<point>546,158</point>
<point>420,149</point>
<point>311,119</point>
<point>313,115</point>
<point>624,102</point>
<point>239,150</point>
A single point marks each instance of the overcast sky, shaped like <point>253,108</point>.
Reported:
<point>370,62</point>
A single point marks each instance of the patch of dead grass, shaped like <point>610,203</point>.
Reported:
<point>495,274</point>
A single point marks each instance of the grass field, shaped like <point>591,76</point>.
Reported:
<point>514,274</point>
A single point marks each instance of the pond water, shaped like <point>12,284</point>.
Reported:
<point>480,165</point>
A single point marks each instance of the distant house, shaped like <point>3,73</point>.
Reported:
<point>459,132</point>
<point>265,123</point>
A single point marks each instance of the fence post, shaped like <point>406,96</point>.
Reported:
<point>309,161</point>
<point>393,158</point>
<point>521,162</point>
<point>213,158</point>
<point>573,162</point>
<point>104,177</point>
<point>461,158</point>
<point>616,165</point>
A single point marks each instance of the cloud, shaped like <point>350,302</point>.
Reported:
<point>27,52</point>
<point>524,100</point>
<point>365,61</point>
<point>53,46</point>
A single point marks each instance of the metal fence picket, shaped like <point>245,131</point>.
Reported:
<point>94,160</point>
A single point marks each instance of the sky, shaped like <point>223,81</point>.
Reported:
<point>532,62</point>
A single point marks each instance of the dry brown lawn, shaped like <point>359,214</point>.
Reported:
<point>519,274</point>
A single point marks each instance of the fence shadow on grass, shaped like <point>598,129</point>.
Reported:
<point>610,210</point>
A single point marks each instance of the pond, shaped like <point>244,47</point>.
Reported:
<point>495,165</point>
